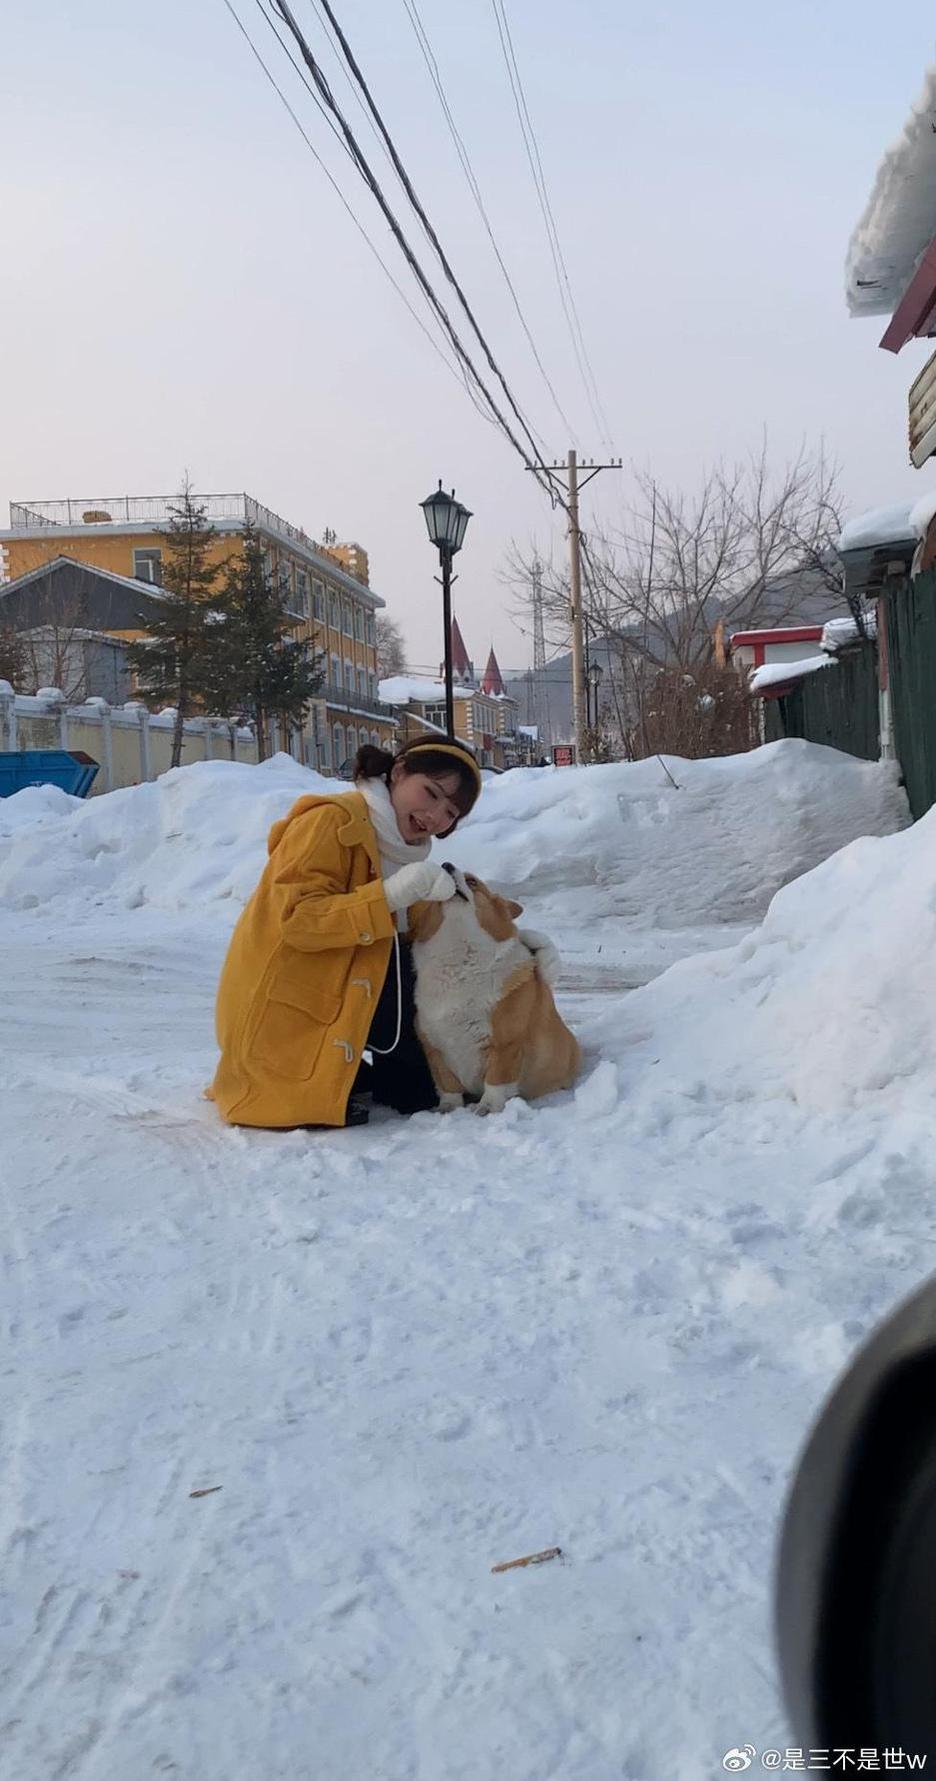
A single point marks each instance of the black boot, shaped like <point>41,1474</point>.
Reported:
<point>357,1112</point>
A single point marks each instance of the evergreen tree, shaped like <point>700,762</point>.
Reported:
<point>13,658</point>
<point>260,670</point>
<point>176,664</point>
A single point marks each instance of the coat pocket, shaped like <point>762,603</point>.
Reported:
<point>292,1028</point>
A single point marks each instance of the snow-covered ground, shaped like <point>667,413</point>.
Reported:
<point>408,1352</point>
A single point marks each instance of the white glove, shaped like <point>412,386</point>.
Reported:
<point>422,882</point>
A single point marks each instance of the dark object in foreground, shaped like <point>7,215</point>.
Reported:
<point>856,1576</point>
<point>532,1558</point>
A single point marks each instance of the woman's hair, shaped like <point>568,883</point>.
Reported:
<point>435,763</point>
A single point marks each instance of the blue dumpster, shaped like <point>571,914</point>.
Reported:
<point>75,773</point>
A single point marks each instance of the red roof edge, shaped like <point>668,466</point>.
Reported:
<point>791,634</point>
<point>916,305</point>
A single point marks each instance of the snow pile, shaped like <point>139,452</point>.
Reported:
<point>828,1004</point>
<point>878,525</point>
<point>781,673</point>
<point>35,806</point>
<point>614,840</point>
<point>897,223</point>
<point>922,512</point>
<point>838,632</point>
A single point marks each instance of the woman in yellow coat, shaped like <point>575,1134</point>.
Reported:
<point>309,957</point>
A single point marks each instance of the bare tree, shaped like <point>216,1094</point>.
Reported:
<point>391,650</point>
<point>683,571</point>
<point>54,650</point>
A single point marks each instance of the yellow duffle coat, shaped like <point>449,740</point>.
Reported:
<point>304,969</point>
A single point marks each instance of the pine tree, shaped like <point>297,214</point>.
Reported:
<point>176,664</point>
<point>261,670</point>
<point>13,658</point>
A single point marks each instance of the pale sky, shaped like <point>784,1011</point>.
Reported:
<point>181,288</point>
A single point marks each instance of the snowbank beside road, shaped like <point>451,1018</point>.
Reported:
<point>583,843</point>
<point>829,1002</point>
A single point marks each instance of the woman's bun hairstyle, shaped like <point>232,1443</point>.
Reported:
<point>421,757</point>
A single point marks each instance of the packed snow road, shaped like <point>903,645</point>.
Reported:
<point>396,1356</point>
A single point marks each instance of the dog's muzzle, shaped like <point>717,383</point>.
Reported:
<point>448,867</point>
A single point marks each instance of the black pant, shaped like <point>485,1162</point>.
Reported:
<point>402,1080</point>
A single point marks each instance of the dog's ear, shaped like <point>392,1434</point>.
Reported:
<point>513,909</point>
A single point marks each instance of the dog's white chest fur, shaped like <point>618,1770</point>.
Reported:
<point>460,977</point>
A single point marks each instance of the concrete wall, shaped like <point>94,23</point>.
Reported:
<point>128,743</point>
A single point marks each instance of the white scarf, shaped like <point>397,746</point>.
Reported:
<point>394,851</point>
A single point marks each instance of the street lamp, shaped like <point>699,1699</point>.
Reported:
<point>447,522</point>
<point>594,681</point>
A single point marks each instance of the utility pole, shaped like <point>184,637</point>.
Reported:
<point>570,470</point>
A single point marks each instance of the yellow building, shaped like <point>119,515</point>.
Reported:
<point>326,583</point>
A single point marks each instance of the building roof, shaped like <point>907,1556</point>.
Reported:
<point>142,588</point>
<point>129,515</point>
<point>492,681</point>
<point>879,525</point>
<point>774,677</point>
<point>776,634</point>
<point>899,220</point>
<point>461,665</point>
<point>403,689</point>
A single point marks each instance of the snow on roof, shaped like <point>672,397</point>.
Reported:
<point>879,525</point>
<point>779,673</point>
<point>401,688</point>
<point>899,219</point>
<point>922,512</point>
<point>840,631</point>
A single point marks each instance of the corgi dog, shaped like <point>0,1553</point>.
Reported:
<point>484,1007</point>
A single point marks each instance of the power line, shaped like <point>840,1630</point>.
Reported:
<point>283,9</point>
<point>457,373</point>
<point>552,234</point>
<point>432,65</point>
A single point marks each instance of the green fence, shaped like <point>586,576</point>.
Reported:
<point>837,706</point>
<point>910,609</point>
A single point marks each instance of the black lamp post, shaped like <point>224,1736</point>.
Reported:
<point>447,521</point>
<point>594,681</point>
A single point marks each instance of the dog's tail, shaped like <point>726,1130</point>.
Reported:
<point>545,955</point>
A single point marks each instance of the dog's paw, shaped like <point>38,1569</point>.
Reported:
<point>495,1097</point>
<point>449,1101</point>
<point>545,954</point>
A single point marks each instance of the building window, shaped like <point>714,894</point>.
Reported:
<point>302,592</point>
<point>318,601</point>
<point>375,739</point>
<point>372,683</point>
<point>362,682</point>
<point>334,612</point>
<point>358,625</point>
<point>362,734</point>
<point>335,672</point>
<point>348,613</point>
<point>338,748</point>
<point>349,676</point>
<point>369,630</point>
<point>147,566</point>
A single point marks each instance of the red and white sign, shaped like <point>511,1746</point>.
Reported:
<point>563,754</point>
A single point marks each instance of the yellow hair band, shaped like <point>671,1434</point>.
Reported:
<point>452,748</point>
